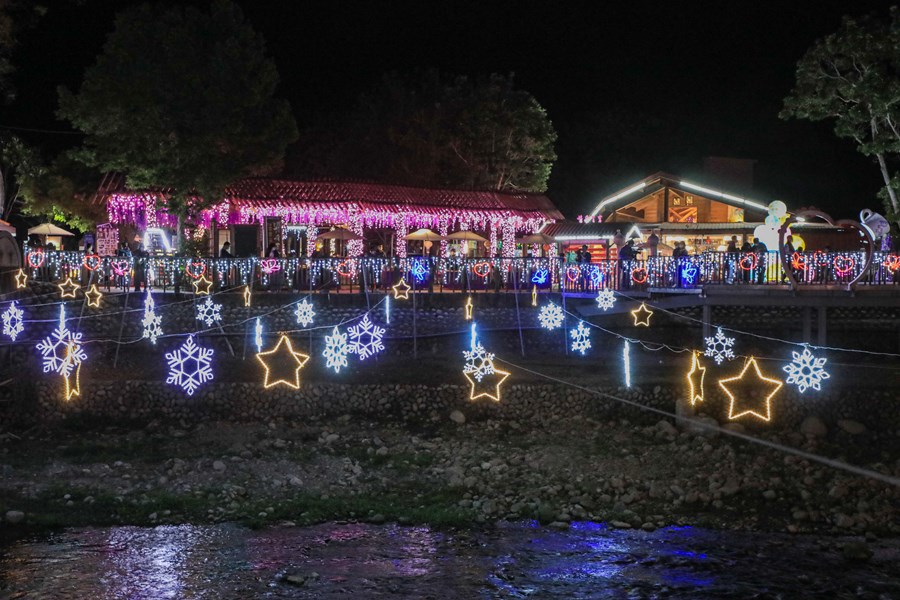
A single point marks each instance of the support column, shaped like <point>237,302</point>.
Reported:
<point>807,324</point>
<point>707,321</point>
<point>821,326</point>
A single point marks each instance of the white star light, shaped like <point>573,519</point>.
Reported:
<point>209,312</point>
<point>806,371</point>
<point>719,347</point>
<point>62,350</point>
<point>12,321</point>
<point>304,313</point>
<point>190,366</point>
<point>336,350</point>
<point>479,362</point>
<point>605,299</point>
<point>365,338</point>
<point>151,322</point>
<point>551,316</point>
<point>581,338</point>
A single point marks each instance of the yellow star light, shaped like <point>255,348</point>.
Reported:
<point>247,296</point>
<point>21,279</point>
<point>204,283</point>
<point>695,378</point>
<point>492,391</point>
<point>469,307</point>
<point>68,288</point>
<point>534,296</point>
<point>401,290</point>
<point>93,296</point>
<point>760,384</point>
<point>642,315</point>
<point>282,354</point>
<point>72,390</point>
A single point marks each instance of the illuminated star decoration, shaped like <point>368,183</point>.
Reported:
<point>762,384</point>
<point>719,346</point>
<point>540,276</point>
<point>258,335</point>
<point>806,371</point>
<point>57,355</point>
<point>605,299</point>
<point>21,279</point>
<point>12,321</point>
<point>190,366</point>
<point>581,338</point>
<point>695,379</point>
<point>281,355</point>
<point>551,316</point>
<point>642,315</point>
<point>73,388</point>
<point>202,285</point>
<point>68,288</point>
<point>93,296</point>
<point>401,290</point>
<point>247,295</point>
<point>304,312</point>
<point>209,312</point>
<point>365,338</point>
<point>534,295</point>
<point>469,306</point>
<point>151,322</point>
<point>482,364</point>
<point>336,350</point>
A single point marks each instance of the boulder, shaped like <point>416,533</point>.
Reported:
<point>813,426</point>
<point>457,417</point>
<point>852,427</point>
<point>14,517</point>
<point>666,428</point>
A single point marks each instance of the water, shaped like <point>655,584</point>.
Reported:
<point>368,561</point>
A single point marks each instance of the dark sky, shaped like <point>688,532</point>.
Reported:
<point>682,80</point>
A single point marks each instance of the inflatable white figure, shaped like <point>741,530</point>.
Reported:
<point>768,232</point>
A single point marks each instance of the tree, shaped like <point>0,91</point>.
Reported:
<point>65,191</point>
<point>182,100</point>
<point>853,77</point>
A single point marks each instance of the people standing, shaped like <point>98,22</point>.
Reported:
<point>762,256</point>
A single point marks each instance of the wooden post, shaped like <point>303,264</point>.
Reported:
<point>515,277</point>
<point>707,318</point>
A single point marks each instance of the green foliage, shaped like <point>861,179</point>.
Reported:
<point>64,192</point>
<point>182,100</point>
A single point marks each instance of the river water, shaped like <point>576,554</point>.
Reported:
<point>519,560</point>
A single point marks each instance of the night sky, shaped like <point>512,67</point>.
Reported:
<point>632,87</point>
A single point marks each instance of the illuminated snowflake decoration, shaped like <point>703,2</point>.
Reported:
<point>719,346</point>
<point>806,371</point>
<point>258,335</point>
<point>13,324</point>
<point>61,351</point>
<point>365,338</point>
<point>336,350</point>
<point>152,322</point>
<point>581,338</point>
<point>551,316</point>
<point>304,313</point>
<point>190,366</point>
<point>479,362</point>
<point>209,312</point>
<point>605,299</point>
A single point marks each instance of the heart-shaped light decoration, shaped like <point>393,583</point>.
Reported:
<point>35,258</point>
<point>91,261</point>
<point>343,269</point>
<point>748,261</point>
<point>482,269</point>
<point>572,274</point>
<point>639,275</point>
<point>195,269</point>
<point>843,264</point>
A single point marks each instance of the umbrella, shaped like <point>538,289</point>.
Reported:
<point>48,229</point>
<point>339,234</point>
<point>469,236</point>
<point>536,238</point>
<point>424,235</point>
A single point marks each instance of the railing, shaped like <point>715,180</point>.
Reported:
<point>470,274</point>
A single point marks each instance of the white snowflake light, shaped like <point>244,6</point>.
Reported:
<point>13,324</point>
<point>61,351</point>
<point>605,299</point>
<point>209,312</point>
<point>304,312</point>
<point>806,371</point>
<point>151,322</point>
<point>719,346</point>
<point>551,316</point>
<point>581,338</point>
<point>365,338</point>
<point>190,366</point>
<point>336,350</point>
<point>479,362</point>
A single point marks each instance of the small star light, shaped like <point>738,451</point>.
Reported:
<point>209,312</point>
<point>469,306</point>
<point>551,316</point>
<point>68,288</point>
<point>151,322</point>
<point>401,290</point>
<point>190,366</point>
<point>202,286</point>
<point>642,315</point>
<point>21,279</point>
<point>695,379</point>
<point>258,335</point>
<point>605,299</point>
<point>289,361</point>
<point>365,338</point>
<point>719,346</point>
<point>336,350</point>
<point>534,295</point>
<point>806,371</point>
<point>93,296</point>
<point>62,350</point>
<point>248,294</point>
<point>73,388</point>
<point>304,312</point>
<point>581,338</point>
<point>760,384</point>
<point>12,321</point>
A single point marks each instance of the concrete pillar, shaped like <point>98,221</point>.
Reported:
<point>707,321</point>
<point>821,333</point>
<point>807,324</point>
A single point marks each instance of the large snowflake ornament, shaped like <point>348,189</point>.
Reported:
<point>581,338</point>
<point>190,366</point>
<point>806,371</point>
<point>13,324</point>
<point>605,299</point>
<point>304,312</point>
<point>152,322</point>
<point>551,316</point>
<point>62,350</point>
<point>479,362</point>
<point>365,338</point>
<point>719,346</point>
<point>209,312</point>
<point>336,350</point>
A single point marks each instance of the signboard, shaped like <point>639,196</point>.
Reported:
<point>107,240</point>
